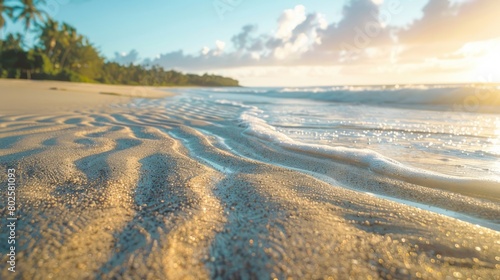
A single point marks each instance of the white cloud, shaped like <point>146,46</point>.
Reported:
<point>289,20</point>
<point>205,50</point>
<point>125,58</point>
<point>323,23</point>
<point>217,51</point>
<point>219,48</point>
<point>297,47</point>
<point>220,45</point>
<point>307,41</point>
<point>255,55</point>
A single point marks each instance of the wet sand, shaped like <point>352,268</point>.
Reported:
<point>112,191</point>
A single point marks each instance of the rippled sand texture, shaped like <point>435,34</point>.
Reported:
<point>149,192</point>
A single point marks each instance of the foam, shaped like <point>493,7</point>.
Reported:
<point>372,161</point>
<point>232,103</point>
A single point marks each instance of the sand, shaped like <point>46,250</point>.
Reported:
<point>109,191</point>
<point>21,96</point>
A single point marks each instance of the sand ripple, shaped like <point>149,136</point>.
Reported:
<point>178,192</point>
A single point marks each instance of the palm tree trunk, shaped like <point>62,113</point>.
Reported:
<point>65,55</point>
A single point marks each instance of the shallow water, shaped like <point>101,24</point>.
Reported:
<point>422,127</point>
<point>429,137</point>
<point>256,182</point>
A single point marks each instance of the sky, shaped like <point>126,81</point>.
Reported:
<point>297,43</point>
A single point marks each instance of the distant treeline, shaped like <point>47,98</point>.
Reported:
<point>61,53</point>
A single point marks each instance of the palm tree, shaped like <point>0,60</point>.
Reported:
<point>29,13</point>
<point>72,40</point>
<point>50,36</point>
<point>5,12</point>
<point>13,42</point>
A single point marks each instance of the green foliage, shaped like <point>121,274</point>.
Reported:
<point>12,42</point>
<point>113,73</point>
<point>65,55</point>
<point>64,75</point>
<point>6,11</point>
<point>46,66</point>
<point>28,12</point>
<point>17,61</point>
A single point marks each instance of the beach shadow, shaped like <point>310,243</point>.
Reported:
<point>75,121</point>
<point>8,142</point>
<point>158,195</point>
<point>101,134</point>
<point>85,142</point>
<point>237,252</point>
<point>50,142</point>
<point>95,166</point>
<point>14,158</point>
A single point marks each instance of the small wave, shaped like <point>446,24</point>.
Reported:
<point>240,90</point>
<point>231,103</point>
<point>312,90</point>
<point>371,160</point>
<point>238,104</point>
<point>458,98</point>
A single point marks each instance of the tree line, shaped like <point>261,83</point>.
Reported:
<point>61,53</point>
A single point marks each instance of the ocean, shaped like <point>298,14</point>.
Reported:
<point>421,127</point>
<point>441,137</point>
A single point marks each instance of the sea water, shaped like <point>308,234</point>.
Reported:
<point>435,135</point>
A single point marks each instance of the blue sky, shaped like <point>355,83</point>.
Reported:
<point>289,39</point>
<point>158,26</point>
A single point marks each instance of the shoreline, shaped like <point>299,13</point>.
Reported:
<point>175,190</point>
<point>467,218</point>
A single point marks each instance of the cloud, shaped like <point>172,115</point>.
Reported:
<point>446,27</point>
<point>360,26</point>
<point>303,37</point>
<point>300,38</point>
<point>176,60</point>
<point>359,29</point>
<point>297,33</point>
<point>217,51</point>
<point>289,20</point>
<point>363,41</point>
<point>220,46</point>
<point>243,39</point>
<point>451,24</point>
<point>126,58</point>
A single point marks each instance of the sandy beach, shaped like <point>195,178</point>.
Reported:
<point>109,186</point>
<point>20,96</point>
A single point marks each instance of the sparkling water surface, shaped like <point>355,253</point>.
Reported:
<point>404,125</point>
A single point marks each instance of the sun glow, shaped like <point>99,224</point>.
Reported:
<point>489,66</point>
<point>486,56</point>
